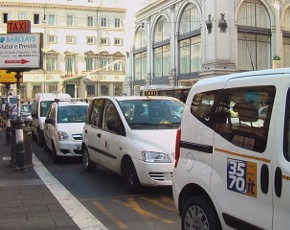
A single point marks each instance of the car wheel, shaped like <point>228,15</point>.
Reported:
<point>55,157</point>
<point>130,177</point>
<point>46,149</point>
<point>87,163</point>
<point>39,137</point>
<point>199,213</point>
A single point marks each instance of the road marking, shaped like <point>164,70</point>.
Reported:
<point>113,218</point>
<point>80,215</point>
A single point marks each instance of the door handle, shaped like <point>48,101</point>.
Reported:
<point>99,135</point>
<point>86,131</point>
<point>264,178</point>
<point>278,182</point>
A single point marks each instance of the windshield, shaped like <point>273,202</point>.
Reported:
<point>72,114</point>
<point>152,114</point>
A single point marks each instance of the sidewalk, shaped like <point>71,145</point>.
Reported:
<point>25,201</point>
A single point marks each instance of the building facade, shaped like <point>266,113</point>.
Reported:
<point>177,42</point>
<point>83,50</point>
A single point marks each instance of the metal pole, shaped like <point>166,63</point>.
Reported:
<point>19,138</point>
<point>8,124</point>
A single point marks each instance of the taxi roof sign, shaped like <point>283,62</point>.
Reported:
<point>19,26</point>
<point>150,93</point>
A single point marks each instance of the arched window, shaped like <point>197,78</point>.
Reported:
<point>189,41</point>
<point>254,36</point>
<point>140,54</point>
<point>286,39</point>
<point>161,48</point>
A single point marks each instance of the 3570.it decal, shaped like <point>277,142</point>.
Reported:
<point>242,177</point>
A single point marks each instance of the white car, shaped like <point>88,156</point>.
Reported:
<point>63,128</point>
<point>134,137</point>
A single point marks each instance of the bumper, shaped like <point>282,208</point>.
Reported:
<point>154,174</point>
<point>69,149</point>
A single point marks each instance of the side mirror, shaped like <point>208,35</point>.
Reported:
<point>34,115</point>
<point>49,121</point>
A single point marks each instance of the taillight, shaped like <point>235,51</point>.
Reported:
<point>177,146</point>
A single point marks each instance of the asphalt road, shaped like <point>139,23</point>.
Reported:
<point>103,194</point>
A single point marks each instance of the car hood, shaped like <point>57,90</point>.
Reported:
<point>162,140</point>
<point>71,128</point>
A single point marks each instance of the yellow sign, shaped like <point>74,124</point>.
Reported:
<point>8,77</point>
<point>150,93</point>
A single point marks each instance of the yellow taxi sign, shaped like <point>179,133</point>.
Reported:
<point>150,93</point>
<point>7,77</point>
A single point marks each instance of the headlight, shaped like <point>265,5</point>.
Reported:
<point>155,157</point>
<point>63,136</point>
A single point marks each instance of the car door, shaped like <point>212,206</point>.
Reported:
<point>241,181</point>
<point>91,129</point>
<point>48,128</point>
<point>281,162</point>
<point>109,136</point>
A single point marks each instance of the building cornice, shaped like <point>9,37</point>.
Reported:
<point>61,6</point>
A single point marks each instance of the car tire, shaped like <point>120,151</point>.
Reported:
<point>55,157</point>
<point>199,213</point>
<point>46,149</point>
<point>39,137</point>
<point>87,163</point>
<point>130,177</point>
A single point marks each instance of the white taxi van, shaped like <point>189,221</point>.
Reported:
<point>41,104</point>
<point>232,168</point>
<point>134,137</point>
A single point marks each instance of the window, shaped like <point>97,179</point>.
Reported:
<point>104,41</point>
<point>36,19</point>
<point>90,90</point>
<point>254,36</point>
<point>90,21</point>
<point>104,62</point>
<point>104,90</point>
<point>5,17</point>
<point>240,115</point>
<point>118,65</point>
<point>161,48</point>
<point>117,22</point>
<point>69,20</point>
<point>189,45</point>
<point>21,16</point>
<point>70,39</point>
<point>90,40</point>
<point>140,66</point>
<point>111,115</point>
<point>69,65</point>
<point>95,112</point>
<point>118,41</point>
<point>103,22</point>
<point>51,19</point>
<point>90,1</point>
<point>90,63</point>
<point>51,39</point>
<point>286,145</point>
<point>51,62</point>
<point>161,61</point>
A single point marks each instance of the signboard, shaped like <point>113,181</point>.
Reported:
<point>8,77</point>
<point>19,26</point>
<point>150,93</point>
<point>20,51</point>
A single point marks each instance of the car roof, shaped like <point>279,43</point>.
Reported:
<point>130,98</point>
<point>69,103</point>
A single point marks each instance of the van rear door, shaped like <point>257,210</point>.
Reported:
<point>241,181</point>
